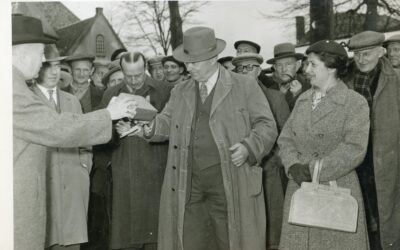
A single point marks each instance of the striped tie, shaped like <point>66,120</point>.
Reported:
<point>203,91</point>
<point>51,99</point>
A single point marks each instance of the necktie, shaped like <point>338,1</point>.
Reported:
<point>203,91</point>
<point>51,99</point>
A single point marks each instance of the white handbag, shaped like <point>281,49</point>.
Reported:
<point>322,206</point>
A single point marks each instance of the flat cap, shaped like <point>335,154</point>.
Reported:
<point>392,39</point>
<point>366,40</point>
<point>255,45</point>
<point>327,46</point>
<point>112,68</point>
<point>247,56</point>
<point>80,57</point>
<point>155,60</point>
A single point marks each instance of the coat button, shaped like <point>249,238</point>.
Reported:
<point>315,154</point>
<point>321,135</point>
<point>176,126</point>
<point>175,147</point>
<point>294,133</point>
<point>173,189</point>
<point>174,167</point>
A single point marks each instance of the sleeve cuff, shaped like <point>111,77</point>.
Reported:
<point>251,159</point>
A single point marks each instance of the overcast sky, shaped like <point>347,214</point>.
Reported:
<point>231,20</point>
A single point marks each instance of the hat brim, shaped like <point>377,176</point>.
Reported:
<point>107,75</point>
<point>298,56</point>
<point>55,59</point>
<point>25,40</point>
<point>180,55</point>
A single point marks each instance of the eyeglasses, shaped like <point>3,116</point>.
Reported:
<point>248,67</point>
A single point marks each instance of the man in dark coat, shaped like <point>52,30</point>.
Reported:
<point>137,166</point>
<point>274,177</point>
<point>286,63</point>
<point>372,75</point>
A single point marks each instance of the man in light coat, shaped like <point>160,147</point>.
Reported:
<point>220,126</point>
<point>67,175</point>
<point>37,126</point>
<point>373,76</point>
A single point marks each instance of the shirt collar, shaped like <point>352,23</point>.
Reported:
<point>45,91</point>
<point>212,81</point>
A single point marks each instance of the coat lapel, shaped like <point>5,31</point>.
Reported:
<point>189,95</point>
<point>222,88</point>
<point>39,93</point>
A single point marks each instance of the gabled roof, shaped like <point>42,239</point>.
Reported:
<point>72,35</point>
<point>52,14</point>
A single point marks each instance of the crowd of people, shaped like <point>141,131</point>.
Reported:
<point>218,164</point>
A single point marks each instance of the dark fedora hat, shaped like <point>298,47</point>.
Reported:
<point>255,45</point>
<point>26,29</point>
<point>284,50</point>
<point>51,53</point>
<point>112,68</point>
<point>199,44</point>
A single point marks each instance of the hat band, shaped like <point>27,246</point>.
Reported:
<point>201,52</point>
<point>285,54</point>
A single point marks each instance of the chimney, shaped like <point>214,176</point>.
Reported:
<point>99,11</point>
<point>299,28</point>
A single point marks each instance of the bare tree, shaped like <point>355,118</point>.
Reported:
<point>146,24</point>
<point>175,24</point>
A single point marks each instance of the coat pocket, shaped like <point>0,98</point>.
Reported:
<point>254,180</point>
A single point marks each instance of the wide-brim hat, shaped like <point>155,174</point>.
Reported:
<point>113,67</point>
<point>327,46</point>
<point>51,53</point>
<point>284,50</point>
<point>172,59</point>
<point>392,39</point>
<point>247,56</point>
<point>366,40</point>
<point>225,59</point>
<point>255,45</point>
<point>199,44</point>
<point>26,29</point>
<point>80,57</point>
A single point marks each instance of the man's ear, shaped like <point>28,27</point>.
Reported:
<point>181,69</point>
<point>382,52</point>
<point>92,71</point>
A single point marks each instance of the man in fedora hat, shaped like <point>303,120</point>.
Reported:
<point>372,75</point>
<point>82,68</point>
<point>392,45</point>
<point>275,179</point>
<point>37,126</point>
<point>67,177</point>
<point>219,127</point>
<point>286,63</point>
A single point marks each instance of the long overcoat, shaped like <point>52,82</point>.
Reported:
<point>36,126</point>
<point>385,125</point>
<point>67,184</point>
<point>336,131</point>
<point>239,112</point>
<point>137,171</point>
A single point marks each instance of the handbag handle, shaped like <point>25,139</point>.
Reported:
<point>317,172</point>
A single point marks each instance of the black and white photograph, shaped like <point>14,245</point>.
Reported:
<point>200,125</point>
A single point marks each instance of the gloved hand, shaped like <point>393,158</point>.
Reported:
<point>300,173</point>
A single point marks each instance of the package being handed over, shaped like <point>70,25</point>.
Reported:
<point>144,111</point>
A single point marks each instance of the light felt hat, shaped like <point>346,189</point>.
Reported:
<point>199,44</point>
<point>247,56</point>
<point>365,40</point>
<point>284,50</point>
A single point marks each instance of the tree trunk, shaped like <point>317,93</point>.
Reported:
<point>175,24</point>
<point>371,18</point>
<point>321,20</point>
